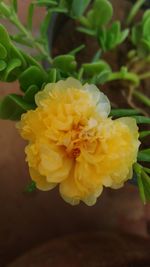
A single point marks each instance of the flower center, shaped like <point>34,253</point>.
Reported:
<point>79,137</point>
<point>75,153</point>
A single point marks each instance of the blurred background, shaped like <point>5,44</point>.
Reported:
<point>28,220</point>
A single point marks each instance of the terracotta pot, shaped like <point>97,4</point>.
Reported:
<point>89,250</point>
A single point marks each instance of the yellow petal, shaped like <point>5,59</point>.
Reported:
<point>41,182</point>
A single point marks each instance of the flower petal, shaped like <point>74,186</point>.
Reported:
<point>41,181</point>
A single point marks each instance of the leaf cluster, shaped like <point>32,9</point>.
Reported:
<point>140,35</point>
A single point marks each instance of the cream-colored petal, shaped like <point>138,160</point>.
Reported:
<point>100,99</point>
<point>44,94</point>
<point>132,125</point>
<point>70,83</point>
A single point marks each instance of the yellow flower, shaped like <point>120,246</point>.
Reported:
<point>73,143</point>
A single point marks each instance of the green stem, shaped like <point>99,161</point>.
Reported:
<point>144,99</point>
<point>129,76</point>
<point>144,75</point>
<point>15,20</point>
<point>134,11</point>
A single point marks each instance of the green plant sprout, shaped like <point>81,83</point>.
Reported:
<point>94,18</point>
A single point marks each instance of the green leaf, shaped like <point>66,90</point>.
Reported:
<point>144,49</point>
<point>59,10</point>
<point>30,94</point>
<point>141,189</point>
<point>102,39</point>
<point>143,98</point>
<point>97,56</point>
<point>146,183</point>
<point>136,34</point>
<point>133,11</point>
<point>32,76</point>
<point>46,3</point>
<point>146,28</point>
<point>144,134</point>
<point>101,78</point>
<point>123,35</point>
<point>4,38</point>
<point>77,50</point>
<point>30,16</point>
<point>144,155</point>
<point>52,75</point>
<point>146,170</point>
<point>11,70</point>
<point>146,15</point>
<point>5,10</point>
<point>65,63</point>
<point>3,66</point>
<point>31,187</point>
<point>113,35</point>
<point>86,31</point>
<point>45,24</point>
<point>78,7</point>
<point>100,14</point>
<point>142,119</point>
<point>12,106</point>
<point>123,112</point>
<point>15,5</point>
<point>138,171</point>
<point>3,52</point>
<point>95,67</point>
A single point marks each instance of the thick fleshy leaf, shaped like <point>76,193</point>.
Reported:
<point>4,37</point>
<point>78,7</point>
<point>146,184</point>
<point>12,106</point>
<point>32,76</point>
<point>100,14</point>
<point>11,70</point>
<point>144,155</point>
<point>146,28</point>
<point>3,66</point>
<point>15,5</point>
<point>146,15</point>
<point>46,2</point>
<point>87,31</point>
<point>101,78</point>
<point>5,10</point>
<point>138,172</point>
<point>52,75</point>
<point>30,94</point>
<point>3,52</point>
<point>136,34</point>
<point>95,67</point>
<point>144,134</point>
<point>142,120</point>
<point>30,16</point>
<point>65,63</point>
<point>123,112</point>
